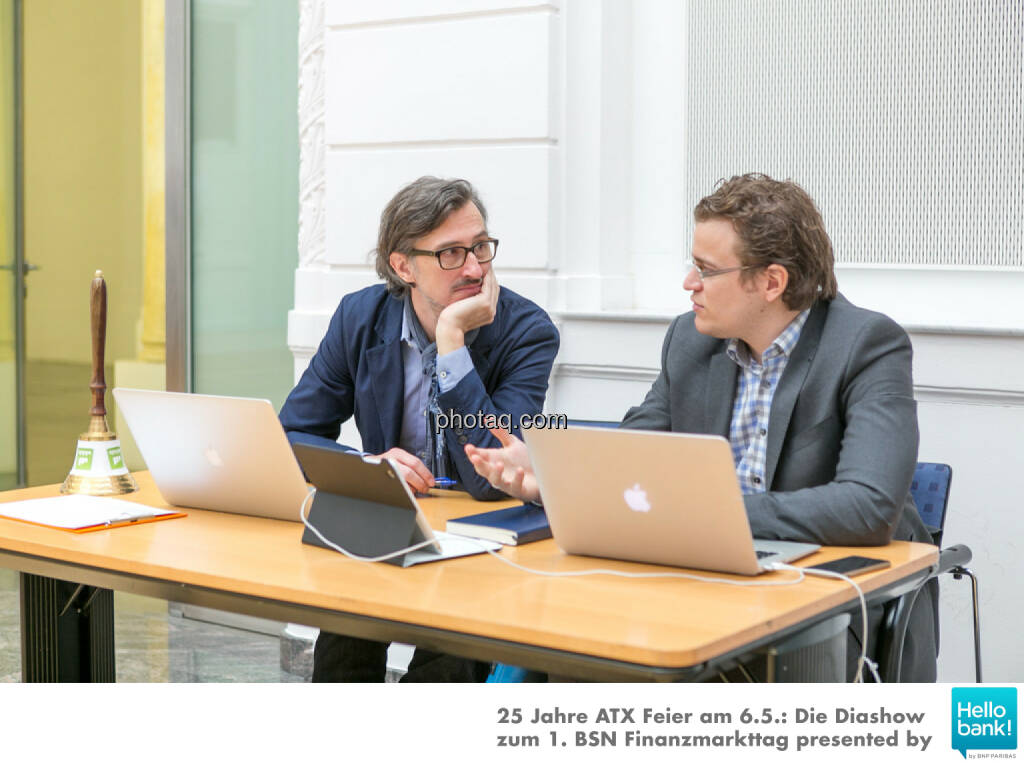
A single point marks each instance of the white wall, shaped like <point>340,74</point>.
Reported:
<point>571,118</point>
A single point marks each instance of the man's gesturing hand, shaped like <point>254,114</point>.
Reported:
<point>507,468</point>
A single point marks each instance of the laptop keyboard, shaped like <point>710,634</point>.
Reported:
<point>763,554</point>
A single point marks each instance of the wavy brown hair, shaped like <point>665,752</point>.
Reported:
<point>777,222</point>
<point>414,211</point>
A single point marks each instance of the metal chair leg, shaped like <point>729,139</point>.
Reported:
<point>957,573</point>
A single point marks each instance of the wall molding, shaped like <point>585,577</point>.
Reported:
<point>312,149</point>
<point>397,20</point>
<point>968,396</point>
<point>612,373</point>
<point>922,393</point>
<point>586,337</point>
<point>631,316</point>
<point>398,145</point>
<point>951,299</point>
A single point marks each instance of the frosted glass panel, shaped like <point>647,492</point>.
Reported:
<point>245,167</point>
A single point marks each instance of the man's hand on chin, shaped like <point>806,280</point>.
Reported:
<point>467,314</point>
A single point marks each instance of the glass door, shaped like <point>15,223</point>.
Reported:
<point>245,195</point>
<point>11,280</point>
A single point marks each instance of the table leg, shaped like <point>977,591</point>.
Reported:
<point>67,631</point>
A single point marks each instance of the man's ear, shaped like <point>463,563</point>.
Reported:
<point>400,264</point>
<point>776,279</point>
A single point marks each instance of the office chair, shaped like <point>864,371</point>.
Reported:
<point>930,490</point>
<point>593,423</point>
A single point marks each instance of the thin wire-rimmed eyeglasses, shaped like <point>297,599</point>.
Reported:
<point>454,257</point>
<point>705,273</point>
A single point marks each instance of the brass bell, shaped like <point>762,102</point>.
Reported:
<point>99,467</point>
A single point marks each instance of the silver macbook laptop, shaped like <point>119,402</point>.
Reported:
<point>210,452</point>
<point>657,497</point>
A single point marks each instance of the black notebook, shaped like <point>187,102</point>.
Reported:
<point>512,526</point>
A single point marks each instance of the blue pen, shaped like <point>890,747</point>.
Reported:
<point>444,482</point>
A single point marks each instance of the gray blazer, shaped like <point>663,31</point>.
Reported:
<point>842,437</point>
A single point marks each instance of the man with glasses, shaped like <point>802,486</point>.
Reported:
<point>439,336</point>
<point>814,394</point>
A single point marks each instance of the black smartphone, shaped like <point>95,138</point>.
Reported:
<point>852,565</point>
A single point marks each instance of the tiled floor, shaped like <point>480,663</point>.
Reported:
<point>153,646</point>
<point>10,629</point>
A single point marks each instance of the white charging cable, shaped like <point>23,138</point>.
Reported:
<point>801,574</point>
<point>623,574</point>
<point>862,660</point>
<point>545,573</point>
<point>349,554</point>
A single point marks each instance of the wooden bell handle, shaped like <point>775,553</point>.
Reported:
<point>98,314</point>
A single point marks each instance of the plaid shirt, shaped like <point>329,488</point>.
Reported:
<point>748,431</point>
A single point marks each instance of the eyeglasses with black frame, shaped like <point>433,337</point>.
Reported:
<point>454,257</point>
<point>705,273</point>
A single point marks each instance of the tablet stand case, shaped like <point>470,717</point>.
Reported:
<point>360,506</point>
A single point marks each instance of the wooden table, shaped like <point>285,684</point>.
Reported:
<point>595,627</point>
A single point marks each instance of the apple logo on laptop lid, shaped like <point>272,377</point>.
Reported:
<point>636,498</point>
<point>214,458</point>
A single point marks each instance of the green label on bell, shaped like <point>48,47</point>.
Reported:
<point>115,459</point>
<point>83,459</point>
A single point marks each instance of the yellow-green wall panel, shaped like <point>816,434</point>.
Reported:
<point>83,172</point>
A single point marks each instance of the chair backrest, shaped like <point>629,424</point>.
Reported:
<point>593,423</point>
<point>930,490</point>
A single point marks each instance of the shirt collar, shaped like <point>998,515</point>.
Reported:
<point>412,330</point>
<point>783,345</point>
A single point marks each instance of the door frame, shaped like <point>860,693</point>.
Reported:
<point>19,272</point>
<point>178,256</point>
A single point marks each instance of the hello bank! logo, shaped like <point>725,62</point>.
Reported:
<point>984,718</point>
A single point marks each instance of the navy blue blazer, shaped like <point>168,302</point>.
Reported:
<point>357,370</point>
